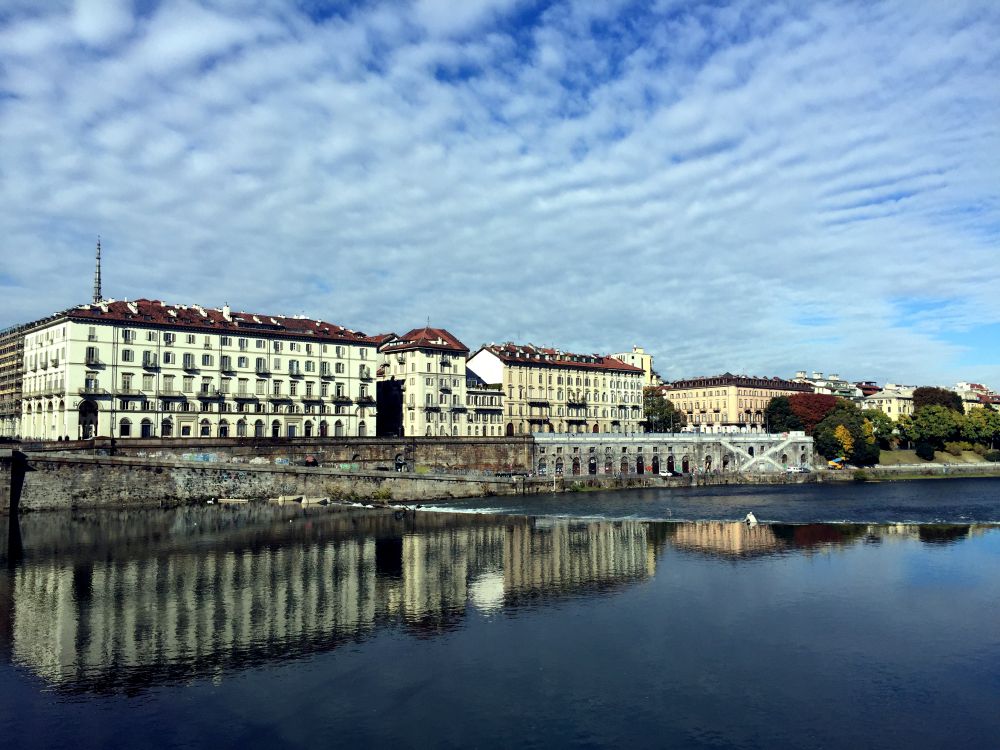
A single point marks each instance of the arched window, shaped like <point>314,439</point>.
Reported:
<point>258,428</point>
<point>338,428</point>
<point>223,428</point>
<point>204,428</point>
<point>275,429</point>
<point>308,429</point>
<point>323,429</point>
<point>241,428</point>
<point>146,428</point>
<point>166,428</point>
<point>362,429</point>
<point>125,428</point>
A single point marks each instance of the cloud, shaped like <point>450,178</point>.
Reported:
<point>747,188</point>
<point>100,22</point>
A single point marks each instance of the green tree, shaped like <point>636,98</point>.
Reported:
<point>846,432</point>
<point>981,426</point>
<point>780,417</point>
<point>935,424</point>
<point>660,413</point>
<point>930,396</point>
<point>882,426</point>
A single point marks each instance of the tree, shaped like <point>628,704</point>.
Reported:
<point>882,426</point>
<point>780,417</point>
<point>660,414</point>
<point>930,396</point>
<point>812,408</point>
<point>981,426</point>
<point>935,424</point>
<point>846,432</point>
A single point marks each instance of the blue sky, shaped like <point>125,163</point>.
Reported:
<point>752,187</point>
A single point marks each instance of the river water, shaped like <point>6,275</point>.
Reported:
<point>556,622</point>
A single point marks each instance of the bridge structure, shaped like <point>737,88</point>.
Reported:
<point>654,453</point>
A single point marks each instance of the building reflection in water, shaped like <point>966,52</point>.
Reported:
<point>113,602</point>
<point>151,602</point>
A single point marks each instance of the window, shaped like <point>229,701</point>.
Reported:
<point>293,387</point>
<point>340,368</point>
<point>206,360</point>
<point>92,333</point>
<point>227,341</point>
<point>147,383</point>
<point>128,355</point>
<point>226,362</point>
<point>168,382</point>
<point>261,387</point>
<point>242,362</point>
<point>310,366</point>
<point>169,338</point>
<point>169,358</point>
<point>277,364</point>
<point>128,336</point>
<point>150,335</point>
<point>242,344</point>
<point>189,361</point>
<point>261,364</point>
<point>188,384</point>
<point>190,338</point>
<point>276,390</point>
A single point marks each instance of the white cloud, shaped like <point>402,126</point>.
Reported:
<point>759,191</point>
<point>100,22</point>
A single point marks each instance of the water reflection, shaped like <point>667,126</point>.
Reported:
<point>108,602</point>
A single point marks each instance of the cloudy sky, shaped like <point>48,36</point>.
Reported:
<point>752,187</point>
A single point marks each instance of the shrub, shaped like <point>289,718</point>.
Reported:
<point>980,449</point>
<point>860,475</point>
<point>992,456</point>
<point>925,451</point>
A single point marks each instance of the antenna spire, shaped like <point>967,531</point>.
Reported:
<point>97,274</point>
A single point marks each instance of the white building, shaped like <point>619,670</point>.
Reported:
<point>893,400</point>
<point>831,385</point>
<point>149,369</point>
<point>547,390</point>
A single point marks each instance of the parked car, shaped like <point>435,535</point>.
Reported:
<point>797,470</point>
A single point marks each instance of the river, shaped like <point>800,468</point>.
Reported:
<point>564,621</point>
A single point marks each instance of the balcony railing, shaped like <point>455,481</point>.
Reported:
<point>93,360</point>
<point>88,390</point>
<point>210,393</point>
<point>365,400</point>
<point>245,396</point>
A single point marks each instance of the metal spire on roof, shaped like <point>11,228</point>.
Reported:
<point>97,274</point>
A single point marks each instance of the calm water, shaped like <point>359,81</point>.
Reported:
<point>268,627</point>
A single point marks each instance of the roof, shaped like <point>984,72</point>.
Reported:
<point>746,381</point>
<point>529,355</point>
<point>424,338</point>
<point>153,313</point>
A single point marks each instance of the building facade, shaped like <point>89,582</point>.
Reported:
<point>894,400</point>
<point>728,403</point>
<point>638,357</point>
<point>148,369</point>
<point>11,367</point>
<point>547,390</point>
<point>831,385</point>
<point>427,366</point>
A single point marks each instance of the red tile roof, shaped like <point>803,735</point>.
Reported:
<point>425,338</point>
<point>526,354</point>
<point>153,313</point>
<point>746,381</point>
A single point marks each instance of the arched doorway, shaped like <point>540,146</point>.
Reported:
<point>338,428</point>
<point>275,429</point>
<point>656,464</point>
<point>670,464</point>
<point>592,465</point>
<point>362,429</point>
<point>708,464</point>
<point>166,428</point>
<point>542,467</point>
<point>596,428</point>
<point>559,467</point>
<point>750,451</point>
<point>323,428</point>
<point>608,468</point>
<point>146,428</point>
<point>510,429</point>
<point>640,465</point>
<point>784,459</point>
<point>205,428</point>
<point>624,466</point>
<point>223,428</point>
<point>576,467</point>
<point>241,428</point>
<point>125,428</point>
<point>308,429</point>
<point>258,428</point>
<point>686,465</point>
<point>88,419</point>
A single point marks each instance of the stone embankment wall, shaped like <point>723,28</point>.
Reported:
<point>436,453</point>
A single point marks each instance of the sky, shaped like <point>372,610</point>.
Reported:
<point>749,187</point>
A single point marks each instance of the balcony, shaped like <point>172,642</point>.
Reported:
<point>445,389</point>
<point>172,394</point>
<point>341,398</point>
<point>296,373</point>
<point>576,401</point>
<point>244,396</point>
<point>209,394</point>
<point>150,364</point>
<point>93,360</point>
<point>365,400</point>
<point>539,400</point>
<point>279,397</point>
<point>190,366</point>
<point>365,375</point>
<point>93,390</point>
<point>263,370</point>
<point>313,398</point>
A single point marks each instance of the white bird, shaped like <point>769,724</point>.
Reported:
<point>751,519</point>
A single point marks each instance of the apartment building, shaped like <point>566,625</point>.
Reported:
<point>893,399</point>
<point>640,358</point>
<point>150,369</point>
<point>548,390</point>
<point>727,402</point>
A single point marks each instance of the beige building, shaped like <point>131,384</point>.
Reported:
<point>894,400</point>
<point>547,390</point>
<point>639,358</point>
<point>728,403</point>
<point>149,369</point>
<point>11,366</point>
